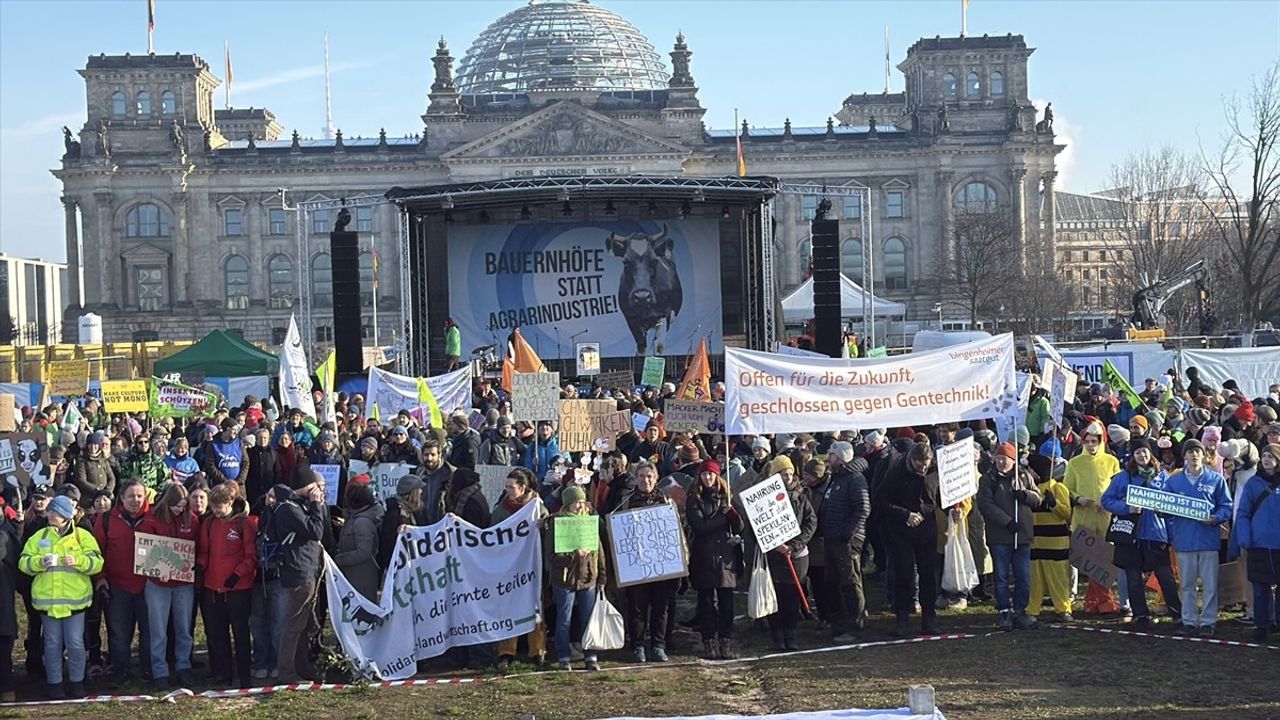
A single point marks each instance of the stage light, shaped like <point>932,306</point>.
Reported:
<point>653,208</point>
<point>685,209</point>
<point>448,216</point>
<point>567,209</point>
<point>724,213</point>
<point>484,217</point>
<point>609,209</point>
<point>524,213</point>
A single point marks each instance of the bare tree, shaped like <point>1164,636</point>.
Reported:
<point>1245,177</point>
<point>1040,303</point>
<point>986,258</point>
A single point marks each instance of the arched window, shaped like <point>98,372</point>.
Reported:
<point>168,103</point>
<point>895,264</point>
<point>949,87</point>
<point>144,103</point>
<point>146,220</point>
<point>997,84</point>
<point>280,281</point>
<point>117,104</point>
<point>235,276</point>
<point>322,281</point>
<point>975,197</point>
<point>972,85</point>
<point>366,279</point>
<point>851,259</point>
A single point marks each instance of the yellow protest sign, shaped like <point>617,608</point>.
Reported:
<point>124,396</point>
<point>68,378</point>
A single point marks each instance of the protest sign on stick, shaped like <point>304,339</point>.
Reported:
<point>957,473</point>
<point>68,378</point>
<point>535,396</point>
<point>8,408</point>
<point>773,520</point>
<point>577,532</point>
<point>647,544</point>
<point>330,473</point>
<point>699,417</point>
<point>493,481</point>
<point>1092,554</point>
<point>125,396</point>
<point>616,379</point>
<point>654,369</point>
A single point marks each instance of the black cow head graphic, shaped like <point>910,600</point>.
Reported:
<point>649,291</point>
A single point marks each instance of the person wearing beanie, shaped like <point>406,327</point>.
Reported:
<point>845,509</point>
<point>792,554</point>
<point>94,471</point>
<point>576,578</point>
<point>1257,532</point>
<point>62,558</point>
<point>502,447</point>
<point>1051,544</point>
<point>1118,438</point>
<point>652,447</point>
<point>1140,536</point>
<point>1087,477</point>
<point>1266,415</point>
<point>1196,541</point>
<point>814,479</point>
<point>299,511</point>
<point>715,555</point>
<point>1138,427</point>
<point>1242,423</point>
<point>647,602</point>
<point>906,499</point>
<point>1007,498</point>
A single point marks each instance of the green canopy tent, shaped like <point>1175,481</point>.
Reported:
<point>221,354</point>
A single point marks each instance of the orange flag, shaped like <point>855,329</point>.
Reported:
<point>696,385</point>
<point>527,360</point>
<point>508,369</point>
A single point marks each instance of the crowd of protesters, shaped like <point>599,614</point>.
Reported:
<point>239,484</point>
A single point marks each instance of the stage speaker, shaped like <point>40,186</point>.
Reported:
<point>344,251</point>
<point>825,251</point>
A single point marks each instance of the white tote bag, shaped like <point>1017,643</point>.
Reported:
<point>605,630</point>
<point>761,599</point>
<point>959,574</point>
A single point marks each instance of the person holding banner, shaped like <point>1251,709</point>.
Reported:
<point>1007,498</point>
<point>62,558</point>
<point>520,490</point>
<point>171,603</point>
<point>715,557</point>
<point>1197,541</point>
<point>577,577</point>
<point>1140,535</point>
<point>647,602</point>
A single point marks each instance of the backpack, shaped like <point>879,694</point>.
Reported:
<point>270,548</point>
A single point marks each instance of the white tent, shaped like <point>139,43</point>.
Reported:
<point>798,306</point>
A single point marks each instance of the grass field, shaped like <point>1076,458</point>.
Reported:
<point>1058,674</point>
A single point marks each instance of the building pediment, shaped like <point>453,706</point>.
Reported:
<point>145,251</point>
<point>565,130</point>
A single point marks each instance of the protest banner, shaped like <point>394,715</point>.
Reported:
<point>7,465</point>
<point>591,425</point>
<point>878,352</point>
<point>164,558</point>
<point>493,481</point>
<point>577,532</point>
<point>640,421</point>
<point>1090,364</point>
<point>71,418</point>
<point>785,349</point>
<point>295,372</point>
<point>770,393</point>
<point>654,369</point>
<point>1061,381</point>
<point>448,585</point>
<point>647,544</point>
<point>383,478</point>
<point>588,354</point>
<point>616,379</point>
<point>31,465</point>
<point>331,474</point>
<point>68,378</point>
<point>1091,554</point>
<point>8,413</point>
<point>535,396</point>
<point>1168,503</point>
<point>957,474</point>
<point>773,520</point>
<point>125,396</point>
<point>169,398</point>
<point>699,417</point>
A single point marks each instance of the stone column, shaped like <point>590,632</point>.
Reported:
<point>1019,200</point>
<point>1049,237</point>
<point>259,287</point>
<point>74,276</point>
<point>181,248</point>
<point>946,242</point>
<point>108,260</point>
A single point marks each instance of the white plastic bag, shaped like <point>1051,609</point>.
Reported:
<point>761,599</point>
<point>959,574</point>
<point>605,630</point>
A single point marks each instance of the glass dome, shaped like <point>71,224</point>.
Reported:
<point>559,45</point>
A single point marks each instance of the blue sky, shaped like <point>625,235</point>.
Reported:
<point>1121,75</point>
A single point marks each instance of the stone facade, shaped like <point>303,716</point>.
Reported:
<point>182,227</point>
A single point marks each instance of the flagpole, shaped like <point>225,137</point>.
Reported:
<point>226,90</point>
<point>886,59</point>
<point>151,25</point>
<point>964,18</point>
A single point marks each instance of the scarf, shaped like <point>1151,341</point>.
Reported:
<point>513,506</point>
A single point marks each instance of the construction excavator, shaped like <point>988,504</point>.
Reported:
<point>1150,299</point>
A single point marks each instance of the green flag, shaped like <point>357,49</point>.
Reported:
<point>1113,378</point>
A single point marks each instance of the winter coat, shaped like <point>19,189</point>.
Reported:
<point>92,476</point>
<point>1052,541</point>
<point>264,471</point>
<point>846,506</point>
<point>10,550</point>
<point>225,461</point>
<point>496,451</point>
<point>184,527</point>
<point>357,554</point>
<point>114,532</point>
<point>298,526</point>
<point>181,468</point>
<point>539,456</point>
<point>715,545</point>
<point>399,453</point>
<point>903,492</point>
<point>61,590</point>
<point>148,468</point>
<point>1003,499</point>
<point>571,570</point>
<point>800,544</point>
<point>1258,522</point>
<point>1088,476</point>
<point>464,449</point>
<point>817,543</point>
<point>466,500</point>
<point>435,484</point>
<point>1187,535</point>
<point>1151,524</point>
<point>397,514</point>
<point>227,551</point>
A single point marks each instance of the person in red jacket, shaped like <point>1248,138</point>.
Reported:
<point>171,600</point>
<point>227,555</point>
<point>126,603</point>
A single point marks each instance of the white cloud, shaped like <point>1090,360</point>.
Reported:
<point>47,125</point>
<point>297,74</point>
<point>1066,133</point>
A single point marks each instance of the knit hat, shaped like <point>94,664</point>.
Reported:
<point>874,440</point>
<point>1041,466</point>
<point>98,438</point>
<point>964,433</point>
<point>818,468</point>
<point>1191,444</point>
<point>1266,414</point>
<point>688,454</point>
<point>1245,413</point>
<point>408,484</point>
<point>784,441</point>
<point>1154,418</point>
<point>1140,420</point>
<point>399,430</point>
<point>1007,450</point>
<point>1094,428</point>
<point>1204,402</point>
<point>1051,448</point>
<point>761,443</point>
<point>303,476</point>
<point>986,439</point>
<point>369,442</point>
<point>1022,435</point>
<point>905,432</point>
<point>1273,428</point>
<point>842,450</point>
<point>1118,434</point>
<point>777,465</point>
<point>1232,449</point>
<point>361,479</point>
<point>1198,416</point>
<point>1142,442</point>
<point>572,494</point>
<point>504,421</point>
<point>1273,450</point>
<point>63,506</point>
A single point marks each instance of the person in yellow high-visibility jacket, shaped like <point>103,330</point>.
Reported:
<point>1088,476</point>
<point>1051,545</point>
<point>61,558</point>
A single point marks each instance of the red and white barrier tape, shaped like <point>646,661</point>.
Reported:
<point>1179,638</point>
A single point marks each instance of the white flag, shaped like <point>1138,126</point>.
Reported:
<point>71,419</point>
<point>295,375</point>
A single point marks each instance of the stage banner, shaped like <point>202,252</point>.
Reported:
<point>1089,364</point>
<point>449,584</point>
<point>638,287</point>
<point>770,393</point>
